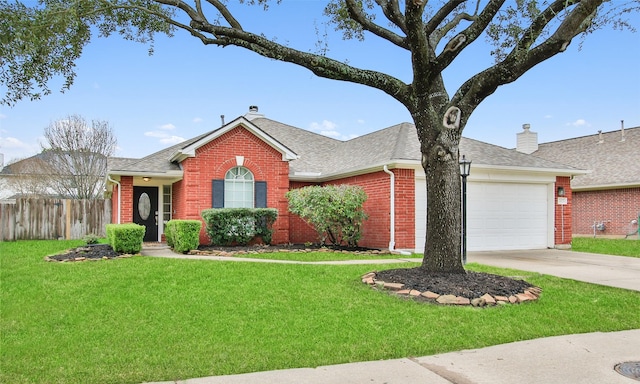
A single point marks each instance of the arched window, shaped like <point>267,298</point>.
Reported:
<point>238,188</point>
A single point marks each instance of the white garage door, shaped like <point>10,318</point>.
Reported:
<point>500,216</point>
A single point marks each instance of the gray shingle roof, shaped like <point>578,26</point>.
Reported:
<point>612,162</point>
<point>322,156</point>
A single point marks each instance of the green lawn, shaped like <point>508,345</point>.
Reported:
<point>154,319</point>
<point>619,247</point>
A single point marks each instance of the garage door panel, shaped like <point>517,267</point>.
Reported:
<point>500,216</point>
<point>506,216</point>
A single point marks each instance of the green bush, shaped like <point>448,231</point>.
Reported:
<point>227,226</point>
<point>125,238</point>
<point>183,235</point>
<point>91,239</point>
<point>335,212</point>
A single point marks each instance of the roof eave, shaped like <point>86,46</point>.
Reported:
<point>606,186</point>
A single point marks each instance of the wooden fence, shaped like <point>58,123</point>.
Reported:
<point>43,218</point>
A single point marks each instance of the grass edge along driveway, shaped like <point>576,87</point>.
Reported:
<point>151,319</point>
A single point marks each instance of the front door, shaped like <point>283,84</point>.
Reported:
<point>145,210</point>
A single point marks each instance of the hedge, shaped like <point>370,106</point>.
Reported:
<point>230,226</point>
<point>125,238</point>
<point>183,235</point>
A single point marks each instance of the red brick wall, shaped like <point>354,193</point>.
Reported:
<point>126,208</point>
<point>299,231</point>
<point>376,230</point>
<point>615,207</point>
<point>563,217</point>
<point>212,161</point>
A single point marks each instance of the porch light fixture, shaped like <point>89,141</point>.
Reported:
<point>146,178</point>
<point>560,191</point>
<point>465,169</point>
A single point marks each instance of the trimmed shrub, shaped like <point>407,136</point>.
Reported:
<point>183,235</point>
<point>335,211</point>
<point>227,226</point>
<point>125,238</point>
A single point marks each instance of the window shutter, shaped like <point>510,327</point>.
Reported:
<point>217,194</point>
<point>261,194</point>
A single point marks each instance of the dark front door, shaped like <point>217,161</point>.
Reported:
<point>145,210</point>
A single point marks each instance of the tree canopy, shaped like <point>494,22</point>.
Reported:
<point>44,41</point>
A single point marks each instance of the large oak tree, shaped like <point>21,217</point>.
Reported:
<point>43,41</point>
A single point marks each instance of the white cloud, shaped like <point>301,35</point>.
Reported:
<point>197,120</point>
<point>548,116</point>
<point>326,125</point>
<point>328,128</point>
<point>579,123</point>
<point>164,137</point>
<point>360,121</point>
<point>13,148</point>
<point>168,127</point>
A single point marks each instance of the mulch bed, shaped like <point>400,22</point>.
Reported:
<point>87,252</point>
<point>469,285</point>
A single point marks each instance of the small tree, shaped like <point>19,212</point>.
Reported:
<point>335,212</point>
<point>77,155</point>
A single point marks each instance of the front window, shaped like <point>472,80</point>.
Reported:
<point>238,188</point>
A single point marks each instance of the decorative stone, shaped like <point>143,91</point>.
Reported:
<point>489,300</point>
<point>369,275</point>
<point>414,293</point>
<point>478,302</point>
<point>513,299</point>
<point>393,286</point>
<point>447,299</point>
<point>501,298</point>
<point>368,280</point>
<point>430,295</point>
<point>403,292</point>
<point>462,300</point>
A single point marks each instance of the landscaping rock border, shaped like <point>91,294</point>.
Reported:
<point>529,294</point>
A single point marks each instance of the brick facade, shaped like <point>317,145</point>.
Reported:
<point>615,208</point>
<point>563,217</point>
<point>193,193</point>
<point>376,229</point>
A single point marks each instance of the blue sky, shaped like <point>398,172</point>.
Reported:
<point>182,90</point>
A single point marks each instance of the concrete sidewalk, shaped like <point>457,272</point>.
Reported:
<point>583,358</point>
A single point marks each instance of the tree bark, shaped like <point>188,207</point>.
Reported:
<point>440,154</point>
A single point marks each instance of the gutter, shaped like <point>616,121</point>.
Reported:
<point>119,194</point>
<point>392,188</point>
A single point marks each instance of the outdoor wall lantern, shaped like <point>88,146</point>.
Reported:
<point>560,191</point>
<point>146,178</point>
<point>465,169</point>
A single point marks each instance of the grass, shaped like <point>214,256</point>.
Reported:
<point>324,256</point>
<point>619,247</point>
<point>153,319</point>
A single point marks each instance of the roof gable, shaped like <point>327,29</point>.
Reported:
<point>189,150</point>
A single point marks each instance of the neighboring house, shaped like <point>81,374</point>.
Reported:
<point>606,201</point>
<point>253,161</point>
<point>69,174</point>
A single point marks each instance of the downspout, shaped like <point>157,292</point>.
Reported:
<point>392,180</point>
<point>119,194</point>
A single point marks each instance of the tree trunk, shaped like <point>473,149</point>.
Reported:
<point>442,251</point>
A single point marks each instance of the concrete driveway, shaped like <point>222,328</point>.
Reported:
<point>613,271</point>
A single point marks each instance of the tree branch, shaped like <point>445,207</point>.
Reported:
<point>358,15</point>
<point>391,10</point>
<point>522,58</point>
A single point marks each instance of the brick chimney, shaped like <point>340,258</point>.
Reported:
<point>527,141</point>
